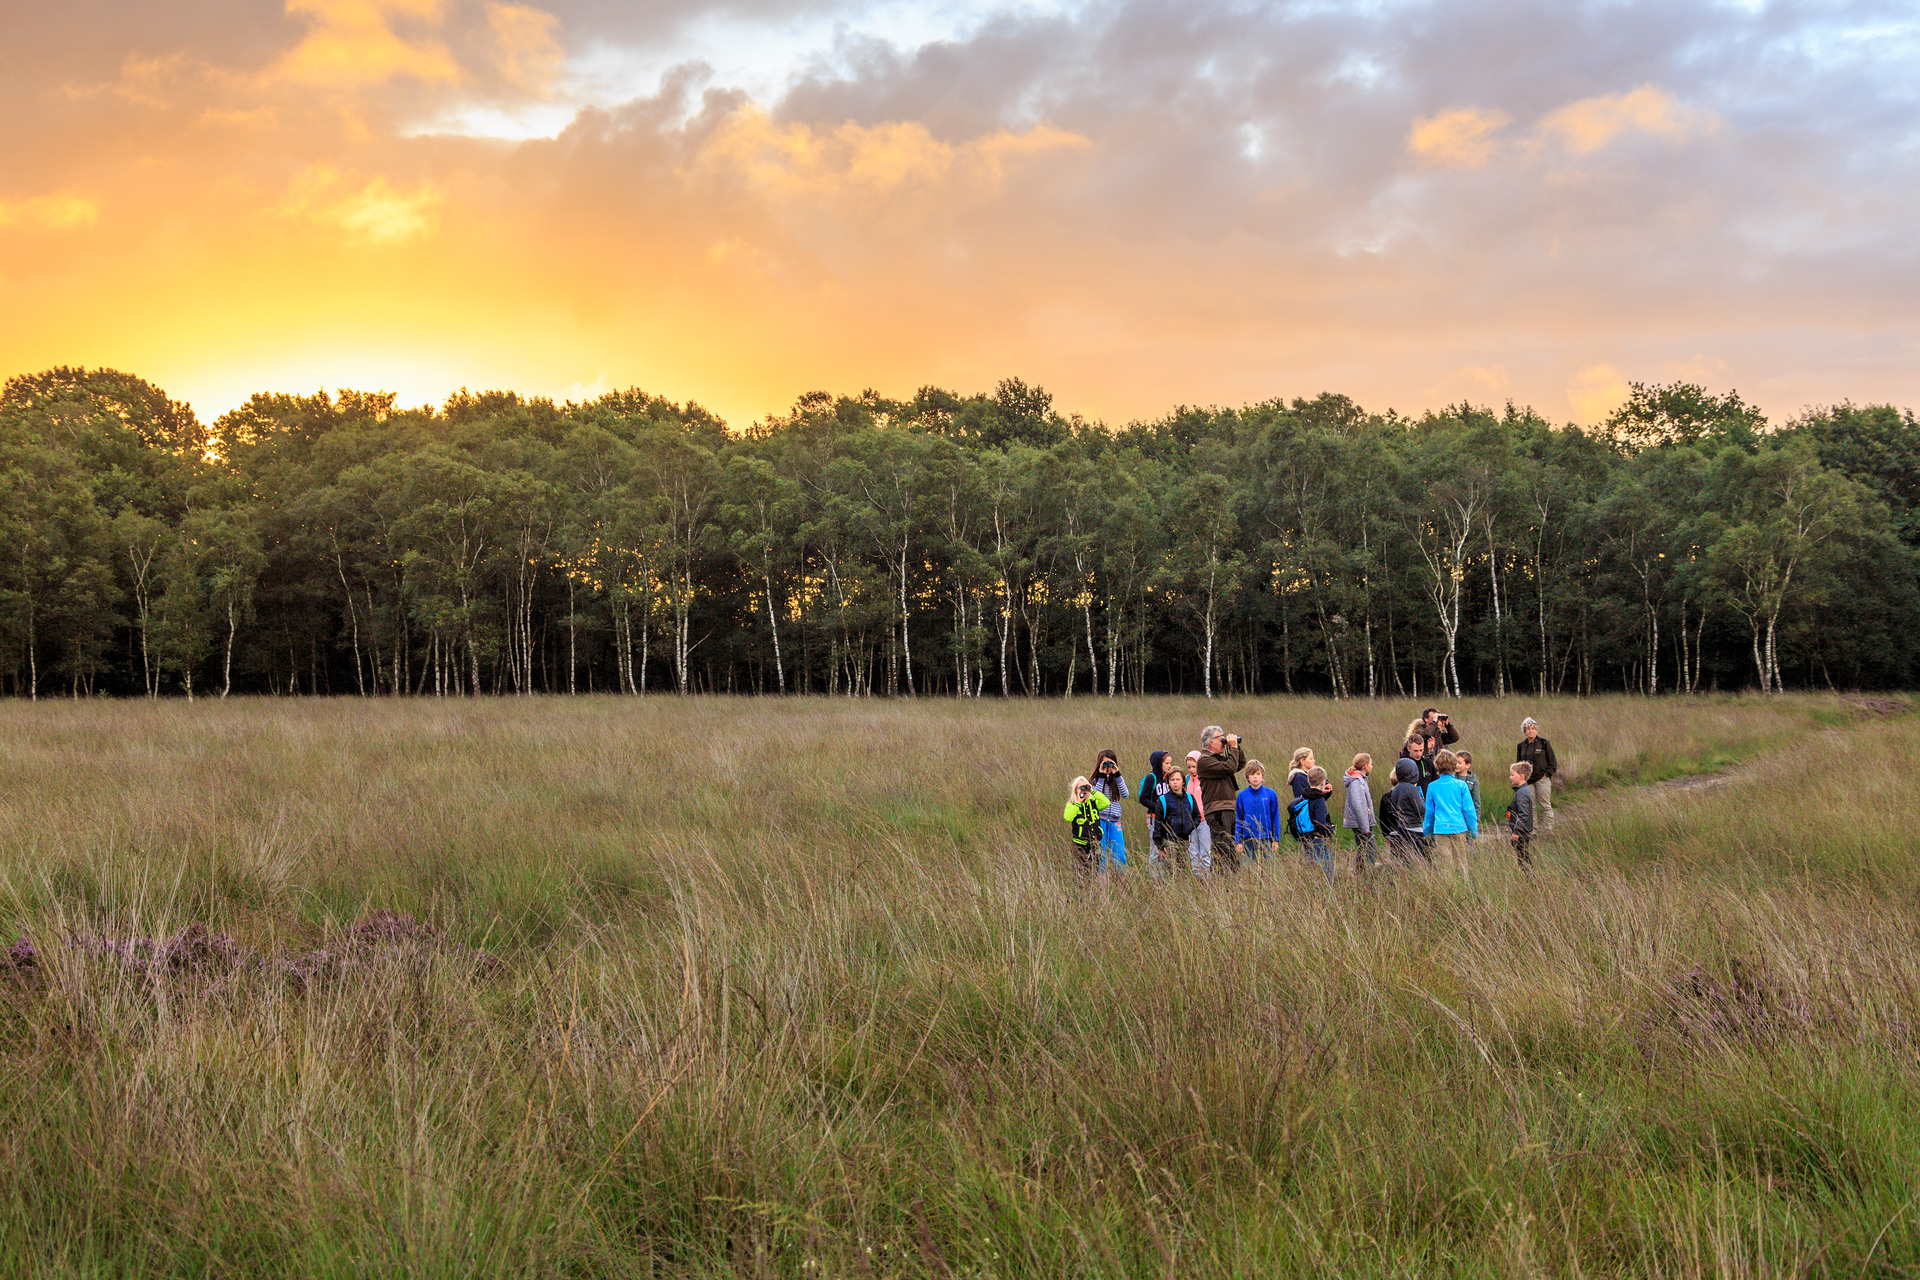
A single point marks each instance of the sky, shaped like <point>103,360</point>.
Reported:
<point>1137,204</point>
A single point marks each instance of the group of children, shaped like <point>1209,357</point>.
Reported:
<point>1428,815</point>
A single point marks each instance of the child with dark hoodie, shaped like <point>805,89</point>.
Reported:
<point>1153,786</point>
<point>1108,782</point>
<point>1403,813</point>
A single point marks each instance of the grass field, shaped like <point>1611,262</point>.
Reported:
<point>714,987</point>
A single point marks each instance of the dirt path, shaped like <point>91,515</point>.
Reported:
<point>1694,784</point>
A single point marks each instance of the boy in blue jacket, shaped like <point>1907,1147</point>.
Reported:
<point>1450,814</point>
<point>1256,814</point>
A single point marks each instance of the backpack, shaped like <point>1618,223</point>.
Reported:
<point>1148,792</point>
<point>1300,818</point>
<point>1384,813</point>
<point>1177,820</point>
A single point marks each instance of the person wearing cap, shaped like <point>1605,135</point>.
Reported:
<point>1538,752</point>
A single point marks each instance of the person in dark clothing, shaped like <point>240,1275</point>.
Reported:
<point>1176,817</point>
<point>1538,752</point>
<point>1520,814</point>
<point>1218,773</point>
<point>1416,751</point>
<point>1154,785</point>
<point>1403,813</point>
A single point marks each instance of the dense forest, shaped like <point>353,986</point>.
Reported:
<point>944,546</point>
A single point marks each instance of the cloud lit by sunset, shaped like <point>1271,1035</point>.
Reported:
<point>1134,204</point>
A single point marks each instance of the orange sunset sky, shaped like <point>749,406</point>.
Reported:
<point>1134,204</point>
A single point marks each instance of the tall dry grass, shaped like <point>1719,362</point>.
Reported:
<point>806,989</point>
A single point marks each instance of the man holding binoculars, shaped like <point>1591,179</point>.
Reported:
<point>1218,770</point>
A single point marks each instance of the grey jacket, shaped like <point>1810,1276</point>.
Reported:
<point>1520,814</point>
<point>1359,804</point>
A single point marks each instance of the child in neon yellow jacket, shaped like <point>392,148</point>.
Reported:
<point>1083,819</point>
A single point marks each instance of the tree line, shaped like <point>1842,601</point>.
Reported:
<point>946,545</point>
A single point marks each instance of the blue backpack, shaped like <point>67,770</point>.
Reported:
<point>1300,818</point>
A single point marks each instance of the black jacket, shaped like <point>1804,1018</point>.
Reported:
<point>1403,810</point>
<point>1152,787</point>
<point>1175,815</point>
<point>1423,769</point>
<point>1539,754</point>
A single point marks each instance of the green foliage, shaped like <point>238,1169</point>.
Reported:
<point>947,544</point>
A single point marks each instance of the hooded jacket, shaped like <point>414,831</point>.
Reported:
<point>1425,773</point>
<point>1404,811</point>
<point>1153,785</point>
<point>1177,815</point>
<point>1083,815</point>
<point>1359,815</point>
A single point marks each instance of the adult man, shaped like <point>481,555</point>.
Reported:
<point>1435,728</point>
<point>1538,752</point>
<point>1220,762</point>
<point>1415,753</point>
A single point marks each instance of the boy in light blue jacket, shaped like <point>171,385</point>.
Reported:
<point>1451,814</point>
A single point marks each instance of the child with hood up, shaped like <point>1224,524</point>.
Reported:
<point>1083,820</point>
<point>1108,782</point>
<point>1403,813</point>
<point>1154,785</point>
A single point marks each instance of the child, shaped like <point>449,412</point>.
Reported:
<point>1153,786</point>
<point>1178,816</point>
<point>1317,843</point>
<point>1520,813</point>
<point>1256,814</point>
<point>1082,815</point>
<point>1403,813</point>
<point>1108,782</point>
<point>1297,771</point>
<point>1465,770</point>
<point>1450,813</point>
<point>1200,843</point>
<point>1359,815</point>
